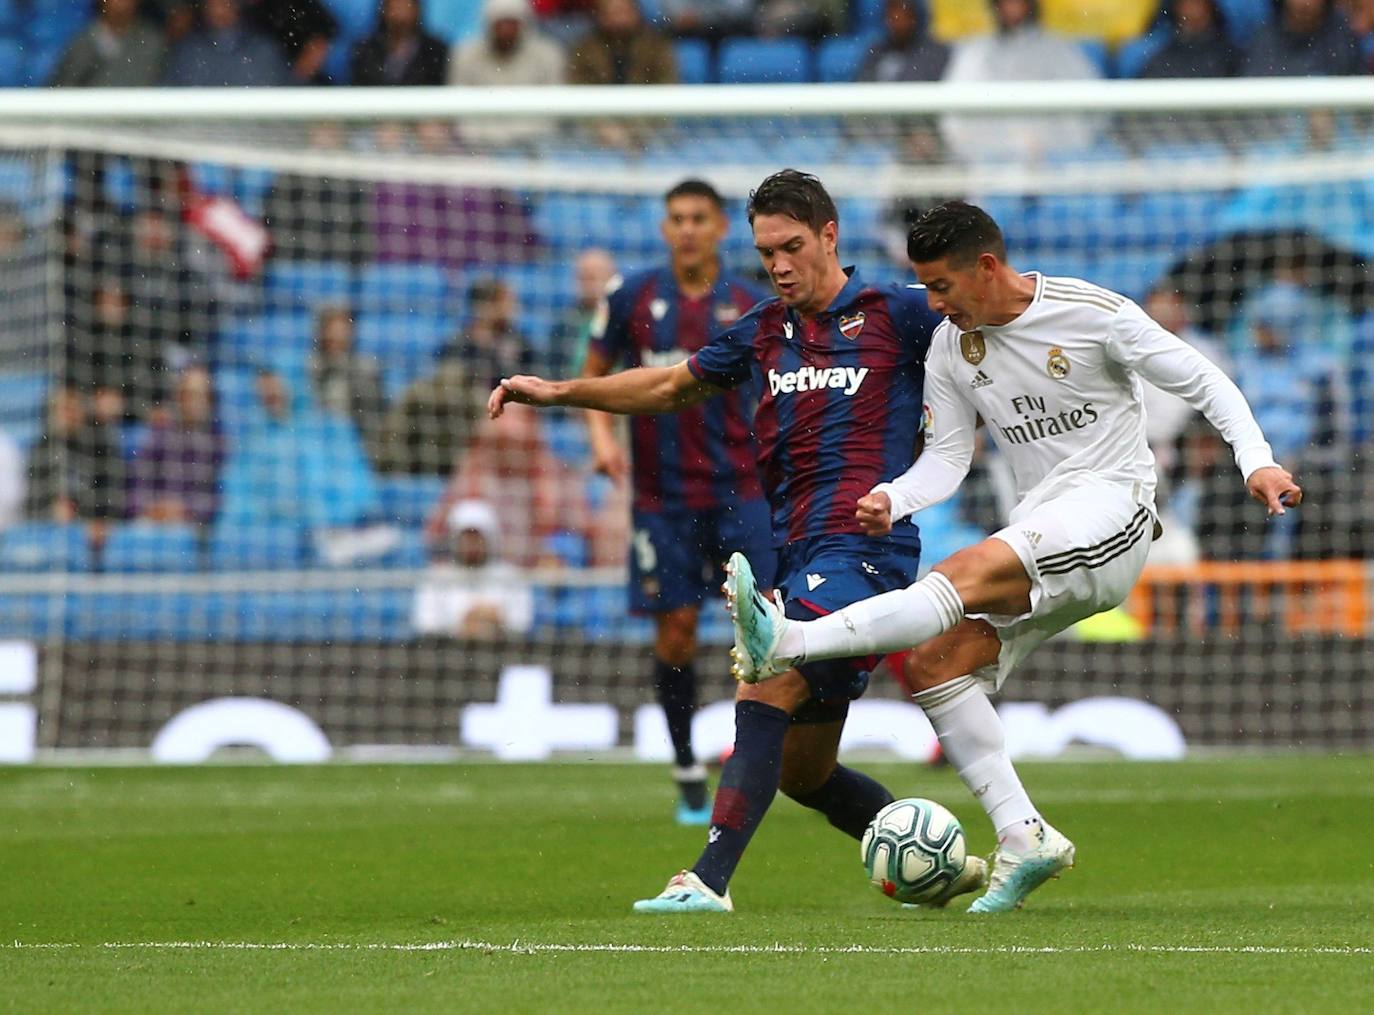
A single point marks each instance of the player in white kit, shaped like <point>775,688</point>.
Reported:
<point>1052,367</point>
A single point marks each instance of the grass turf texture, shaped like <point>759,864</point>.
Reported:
<point>1182,868</point>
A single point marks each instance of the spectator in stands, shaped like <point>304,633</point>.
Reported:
<point>14,483</point>
<point>708,19</point>
<point>1205,499</point>
<point>76,469</point>
<point>622,50</point>
<point>400,51</point>
<point>321,218</point>
<point>174,476</point>
<point>491,347</point>
<point>511,51</point>
<point>345,383</point>
<point>508,463</point>
<point>116,50</point>
<point>471,591</point>
<point>296,468</point>
<point>109,356</point>
<point>812,19</point>
<point>304,29</point>
<point>1307,38</point>
<point>593,269</point>
<point>1199,44</point>
<point>566,20</point>
<point>1019,50</point>
<point>906,51</point>
<point>432,422</point>
<point>225,51</point>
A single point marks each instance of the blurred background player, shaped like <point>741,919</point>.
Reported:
<point>696,490</point>
<point>840,366</point>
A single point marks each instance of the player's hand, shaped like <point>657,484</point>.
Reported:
<point>609,459</point>
<point>523,389</point>
<point>874,514</point>
<point>1274,488</point>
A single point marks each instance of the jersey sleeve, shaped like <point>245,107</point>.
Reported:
<point>609,334</point>
<point>1138,343</point>
<point>915,321</point>
<point>727,361</point>
<point>950,423</point>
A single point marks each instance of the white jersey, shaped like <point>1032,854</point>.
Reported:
<point>1060,393</point>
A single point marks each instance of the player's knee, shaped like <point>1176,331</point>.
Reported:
<point>788,691</point>
<point>675,641</point>
<point>925,667</point>
<point>802,777</point>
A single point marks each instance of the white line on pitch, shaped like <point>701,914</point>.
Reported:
<point>518,947</point>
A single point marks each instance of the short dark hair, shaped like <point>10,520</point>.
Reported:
<point>693,187</point>
<point>956,230</point>
<point>795,194</point>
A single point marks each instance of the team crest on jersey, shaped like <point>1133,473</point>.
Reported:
<point>973,347</point>
<point>927,418</point>
<point>1058,364</point>
<point>851,326</point>
<point>658,308</point>
<point>726,313</point>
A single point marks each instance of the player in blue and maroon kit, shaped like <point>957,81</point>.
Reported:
<point>697,494</point>
<point>839,366</point>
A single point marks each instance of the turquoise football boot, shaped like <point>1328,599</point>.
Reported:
<point>686,893</point>
<point>1016,875</point>
<point>759,625</point>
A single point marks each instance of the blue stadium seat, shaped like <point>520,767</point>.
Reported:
<point>453,20</point>
<point>1132,57</point>
<point>22,398</point>
<point>411,552</point>
<point>566,436</point>
<point>1096,51</point>
<point>307,284</point>
<point>10,23</point>
<point>571,548</point>
<point>404,288</point>
<point>693,61</point>
<point>256,548</point>
<point>11,63</point>
<point>255,341</point>
<point>1243,17</point>
<point>57,21</point>
<point>406,345</point>
<point>44,546</point>
<point>147,547</point>
<point>408,500</point>
<point>356,18</point>
<point>839,57</point>
<point>867,14</point>
<point>764,61</point>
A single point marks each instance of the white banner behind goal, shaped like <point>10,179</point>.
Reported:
<point>202,501</point>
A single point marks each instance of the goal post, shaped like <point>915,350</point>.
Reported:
<point>219,504</point>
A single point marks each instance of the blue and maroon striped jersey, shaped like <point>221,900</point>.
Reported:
<point>705,456</point>
<point>840,399</point>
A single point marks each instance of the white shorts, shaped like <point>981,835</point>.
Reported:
<point>1084,551</point>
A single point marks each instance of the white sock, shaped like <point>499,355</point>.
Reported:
<point>974,741</point>
<point>885,623</point>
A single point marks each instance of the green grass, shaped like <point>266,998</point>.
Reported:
<point>1181,868</point>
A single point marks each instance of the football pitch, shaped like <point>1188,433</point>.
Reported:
<point>1217,885</point>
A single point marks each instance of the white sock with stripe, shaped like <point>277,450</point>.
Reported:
<point>885,623</point>
<point>974,741</point>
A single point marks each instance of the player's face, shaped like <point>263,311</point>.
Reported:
<point>693,227</point>
<point>797,260</point>
<point>959,292</point>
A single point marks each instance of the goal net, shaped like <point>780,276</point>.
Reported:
<point>250,495</point>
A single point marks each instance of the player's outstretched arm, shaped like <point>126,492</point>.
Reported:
<point>638,392</point>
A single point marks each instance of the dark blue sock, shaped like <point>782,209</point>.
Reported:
<point>676,687</point>
<point>748,783</point>
<point>848,799</point>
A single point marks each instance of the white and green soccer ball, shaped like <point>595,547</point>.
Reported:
<point>913,849</point>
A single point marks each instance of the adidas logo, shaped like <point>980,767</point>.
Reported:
<point>981,380</point>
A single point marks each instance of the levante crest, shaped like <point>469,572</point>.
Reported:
<point>851,326</point>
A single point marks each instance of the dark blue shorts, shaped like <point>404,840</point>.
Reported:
<point>677,558</point>
<point>826,573</point>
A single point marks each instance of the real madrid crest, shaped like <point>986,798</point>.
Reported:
<point>851,326</point>
<point>1058,364</point>
<point>973,347</point>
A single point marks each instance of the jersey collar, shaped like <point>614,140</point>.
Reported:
<point>847,295</point>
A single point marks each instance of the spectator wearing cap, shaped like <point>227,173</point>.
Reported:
<point>510,51</point>
<point>470,591</point>
<point>117,50</point>
<point>1306,38</point>
<point>400,51</point>
<point>1199,45</point>
<point>906,52</point>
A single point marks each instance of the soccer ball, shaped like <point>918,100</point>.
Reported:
<point>913,849</point>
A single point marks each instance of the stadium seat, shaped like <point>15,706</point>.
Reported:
<point>1096,51</point>
<point>1243,17</point>
<point>566,436</point>
<point>355,17</point>
<point>255,548</point>
<point>571,548</point>
<point>22,398</point>
<point>453,20</point>
<point>764,61</point>
<point>1132,57</point>
<point>406,345</point>
<point>866,15</point>
<point>403,288</point>
<point>254,341</point>
<point>408,500</point>
<point>11,63</point>
<point>45,546</point>
<point>839,57</point>
<point>307,284</point>
<point>693,61</point>
<point>147,547</point>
